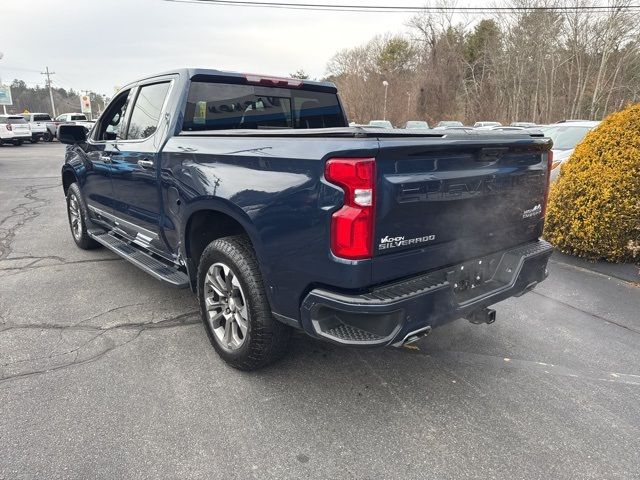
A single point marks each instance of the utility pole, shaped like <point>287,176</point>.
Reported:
<point>48,74</point>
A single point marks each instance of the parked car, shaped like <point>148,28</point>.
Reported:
<point>565,135</point>
<point>255,193</point>
<point>524,124</point>
<point>38,123</point>
<point>411,124</point>
<point>380,123</point>
<point>461,129</point>
<point>14,129</point>
<point>503,128</point>
<point>574,120</point>
<point>449,123</point>
<point>486,124</point>
<point>66,118</point>
<point>77,118</point>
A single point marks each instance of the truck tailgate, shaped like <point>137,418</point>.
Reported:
<point>443,201</point>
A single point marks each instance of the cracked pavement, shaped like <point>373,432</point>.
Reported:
<point>108,373</point>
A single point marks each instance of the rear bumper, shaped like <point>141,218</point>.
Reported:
<point>389,313</point>
<point>10,136</point>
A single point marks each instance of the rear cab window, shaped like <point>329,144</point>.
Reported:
<point>41,118</point>
<point>16,120</point>
<point>79,118</point>
<point>224,106</point>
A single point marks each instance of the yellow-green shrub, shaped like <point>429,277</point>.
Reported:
<point>594,206</point>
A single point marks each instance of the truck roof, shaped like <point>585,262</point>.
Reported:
<point>235,76</point>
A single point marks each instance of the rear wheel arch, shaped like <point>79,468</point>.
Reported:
<point>203,226</point>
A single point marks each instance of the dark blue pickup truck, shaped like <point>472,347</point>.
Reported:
<point>254,192</point>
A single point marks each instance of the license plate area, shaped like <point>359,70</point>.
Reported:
<point>472,274</point>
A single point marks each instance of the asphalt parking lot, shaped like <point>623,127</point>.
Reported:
<point>108,373</point>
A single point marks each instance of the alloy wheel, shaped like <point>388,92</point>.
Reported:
<point>75,217</point>
<point>226,306</point>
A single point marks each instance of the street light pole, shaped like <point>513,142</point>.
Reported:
<point>386,86</point>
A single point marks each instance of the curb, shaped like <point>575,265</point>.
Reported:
<point>627,272</point>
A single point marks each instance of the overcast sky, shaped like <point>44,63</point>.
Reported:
<point>99,44</point>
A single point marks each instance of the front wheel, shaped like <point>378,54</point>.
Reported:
<point>47,137</point>
<point>79,219</point>
<point>234,307</point>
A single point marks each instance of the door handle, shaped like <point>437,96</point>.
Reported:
<point>144,163</point>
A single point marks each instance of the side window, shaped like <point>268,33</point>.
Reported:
<point>112,122</point>
<point>146,111</point>
<point>61,118</point>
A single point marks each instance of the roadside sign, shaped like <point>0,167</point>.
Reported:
<point>85,104</point>
<point>5,95</point>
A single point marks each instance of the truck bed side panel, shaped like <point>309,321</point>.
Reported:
<point>275,188</point>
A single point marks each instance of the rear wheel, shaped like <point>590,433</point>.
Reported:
<point>47,137</point>
<point>234,307</point>
<point>17,143</point>
<point>35,139</point>
<point>79,219</point>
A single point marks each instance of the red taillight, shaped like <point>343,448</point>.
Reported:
<point>352,225</point>
<point>9,127</point>
<point>546,192</point>
<point>273,81</point>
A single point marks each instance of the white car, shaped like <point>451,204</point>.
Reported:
<point>486,125</point>
<point>447,124</point>
<point>66,118</point>
<point>38,124</point>
<point>380,124</point>
<point>565,136</point>
<point>416,124</point>
<point>14,129</point>
<point>74,118</point>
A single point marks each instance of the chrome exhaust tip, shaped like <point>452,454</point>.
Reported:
<point>414,336</point>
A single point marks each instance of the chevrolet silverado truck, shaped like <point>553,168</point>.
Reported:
<point>255,193</point>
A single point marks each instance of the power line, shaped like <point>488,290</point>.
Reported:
<point>400,8</point>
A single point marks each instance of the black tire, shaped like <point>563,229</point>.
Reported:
<point>47,137</point>
<point>79,232</point>
<point>35,139</point>
<point>17,143</point>
<point>266,338</point>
